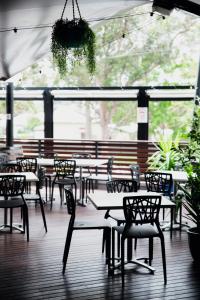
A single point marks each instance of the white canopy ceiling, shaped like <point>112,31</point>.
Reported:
<point>20,49</point>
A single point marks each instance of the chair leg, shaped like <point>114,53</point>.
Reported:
<point>163,258</point>
<point>43,214</point>
<point>108,243</point>
<point>66,250</point>
<point>52,191</point>
<point>11,219</point>
<point>113,248</point>
<point>103,240</point>
<point>61,193</point>
<point>150,250</point>
<point>122,260</point>
<point>26,221</point>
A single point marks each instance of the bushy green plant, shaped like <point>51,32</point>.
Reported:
<point>192,194</point>
<point>190,157</point>
<point>166,157</point>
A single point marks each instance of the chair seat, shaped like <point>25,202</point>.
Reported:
<point>65,181</point>
<point>18,202</point>
<point>102,224</point>
<point>139,231</point>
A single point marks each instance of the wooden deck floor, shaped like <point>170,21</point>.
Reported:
<point>34,270</point>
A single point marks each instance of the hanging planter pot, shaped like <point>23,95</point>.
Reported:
<point>73,41</point>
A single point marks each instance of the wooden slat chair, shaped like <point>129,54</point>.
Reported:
<point>142,221</point>
<point>83,225</point>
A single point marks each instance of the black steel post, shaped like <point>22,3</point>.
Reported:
<point>9,115</point>
<point>48,114</point>
<point>143,115</point>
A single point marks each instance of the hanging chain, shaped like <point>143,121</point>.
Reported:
<point>73,8</point>
<point>78,8</point>
<point>64,9</point>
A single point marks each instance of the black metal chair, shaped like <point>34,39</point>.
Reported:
<point>142,221</point>
<point>86,171</point>
<point>12,189</point>
<point>100,177</point>
<point>135,173</point>
<point>64,175</point>
<point>83,225</point>
<point>27,164</point>
<point>159,182</point>
<point>36,197</point>
<point>119,186</point>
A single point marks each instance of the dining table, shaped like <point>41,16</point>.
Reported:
<point>102,200</point>
<point>81,163</point>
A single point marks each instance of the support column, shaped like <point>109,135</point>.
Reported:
<point>9,115</point>
<point>143,115</point>
<point>48,114</point>
<point>197,98</point>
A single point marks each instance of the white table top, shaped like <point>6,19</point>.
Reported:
<point>80,162</point>
<point>177,176</point>
<point>103,200</point>
<point>30,177</point>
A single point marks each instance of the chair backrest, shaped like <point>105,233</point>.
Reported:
<point>64,167</point>
<point>141,209</point>
<point>12,185</point>
<point>10,168</point>
<point>27,164</point>
<point>135,173</point>
<point>110,167</point>
<point>159,182</point>
<point>81,155</point>
<point>121,185</point>
<point>70,202</point>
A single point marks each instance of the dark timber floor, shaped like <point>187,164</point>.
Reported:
<point>34,270</point>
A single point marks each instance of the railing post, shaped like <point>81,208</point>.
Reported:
<point>48,114</point>
<point>39,148</point>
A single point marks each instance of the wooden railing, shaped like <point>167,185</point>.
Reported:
<point>124,153</point>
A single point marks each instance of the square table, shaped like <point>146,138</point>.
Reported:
<point>81,163</point>
<point>102,200</point>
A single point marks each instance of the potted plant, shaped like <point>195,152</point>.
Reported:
<point>191,203</point>
<point>72,41</point>
<point>190,157</point>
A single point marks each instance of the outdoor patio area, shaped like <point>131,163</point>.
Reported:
<point>34,270</point>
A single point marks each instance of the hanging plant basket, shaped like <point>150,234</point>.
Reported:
<point>73,41</point>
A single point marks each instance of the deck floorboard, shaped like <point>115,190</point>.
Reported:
<point>34,270</point>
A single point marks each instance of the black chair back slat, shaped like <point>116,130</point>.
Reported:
<point>121,186</point>
<point>27,164</point>
<point>159,182</point>
<point>141,209</point>
<point>12,185</point>
<point>64,168</point>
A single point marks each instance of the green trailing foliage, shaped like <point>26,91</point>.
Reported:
<point>166,157</point>
<point>73,41</point>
